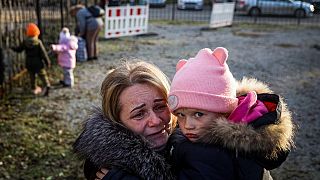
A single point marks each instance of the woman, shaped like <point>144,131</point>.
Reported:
<point>88,27</point>
<point>129,135</point>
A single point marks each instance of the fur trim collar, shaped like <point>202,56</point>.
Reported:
<point>107,144</point>
<point>269,140</point>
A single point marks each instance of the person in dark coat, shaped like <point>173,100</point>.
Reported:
<point>88,27</point>
<point>129,133</point>
<point>227,129</point>
<point>37,58</point>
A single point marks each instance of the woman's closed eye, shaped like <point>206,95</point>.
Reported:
<point>139,115</point>
<point>160,107</point>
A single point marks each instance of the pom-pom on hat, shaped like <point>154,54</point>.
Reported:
<point>32,30</point>
<point>204,82</point>
<point>64,35</point>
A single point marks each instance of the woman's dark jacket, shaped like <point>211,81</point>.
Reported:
<point>36,55</point>
<point>231,151</point>
<point>127,155</point>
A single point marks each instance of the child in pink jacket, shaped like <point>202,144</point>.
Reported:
<point>66,50</point>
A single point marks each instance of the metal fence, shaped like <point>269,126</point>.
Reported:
<point>49,15</point>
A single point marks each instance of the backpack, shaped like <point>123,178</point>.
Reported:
<point>81,53</point>
<point>96,11</point>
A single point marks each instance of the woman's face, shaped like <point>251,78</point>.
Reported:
<point>144,111</point>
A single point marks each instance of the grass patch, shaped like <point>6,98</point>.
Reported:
<point>35,146</point>
<point>180,22</point>
<point>271,27</point>
<point>248,34</point>
<point>286,45</point>
<point>117,45</point>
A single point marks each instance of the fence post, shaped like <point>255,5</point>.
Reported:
<point>38,13</point>
<point>173,14</point>
<point>1,25</point>
<point>256,17</point>
<point>61,12</point>
<point>299,18</point>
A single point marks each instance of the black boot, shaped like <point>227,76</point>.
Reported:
<point>62,82</point>
<point>46,92</point>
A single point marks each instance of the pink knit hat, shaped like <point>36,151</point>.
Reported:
<point>204,82</point>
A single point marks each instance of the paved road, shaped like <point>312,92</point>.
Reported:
<point>171,12</point>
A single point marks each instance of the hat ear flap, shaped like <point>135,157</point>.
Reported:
<point>221,54</point>
<point>181,63</point>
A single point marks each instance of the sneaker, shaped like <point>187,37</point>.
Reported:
<point>90,59</point>
<point>62,82</point>
<point>67,85</point>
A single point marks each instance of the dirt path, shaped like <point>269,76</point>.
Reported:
<point>287,59</point>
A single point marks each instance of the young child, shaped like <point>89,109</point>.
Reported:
<point>66,50</point>
<point>36,58</point>
<point>227,129</point>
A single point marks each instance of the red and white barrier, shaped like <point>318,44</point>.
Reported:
<point>222,14</point>
<point>126,20</point>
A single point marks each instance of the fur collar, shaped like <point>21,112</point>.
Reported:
<point>269,139</point>
<point>107,144</point>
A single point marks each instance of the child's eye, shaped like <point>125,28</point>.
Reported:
<point>198,114</point>
<point>180,115</point>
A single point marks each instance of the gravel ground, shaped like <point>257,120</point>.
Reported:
<point>286,58</point>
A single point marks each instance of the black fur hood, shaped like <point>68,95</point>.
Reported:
<point>269,140</point>
<point>107,144</point>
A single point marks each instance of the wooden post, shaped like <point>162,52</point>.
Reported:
<point>61,12</point>
<point>38,13</point>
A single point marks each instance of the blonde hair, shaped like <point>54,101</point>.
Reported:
<point>127,75</point>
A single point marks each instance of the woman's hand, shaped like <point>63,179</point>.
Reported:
<point>100,174</point>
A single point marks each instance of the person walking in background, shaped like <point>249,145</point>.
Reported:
<point>36,58</point>
<point>227,129</point>
<point>66,50</point>
<point>88,27</point>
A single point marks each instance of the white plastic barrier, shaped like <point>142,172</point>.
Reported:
<point>222,14</point>
<point>126,20</point>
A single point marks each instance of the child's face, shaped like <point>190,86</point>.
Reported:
<point>193,122</point>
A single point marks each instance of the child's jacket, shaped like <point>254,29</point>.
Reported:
<point>237,150</point>
<point>66,52</point>
<point>36,55</point>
